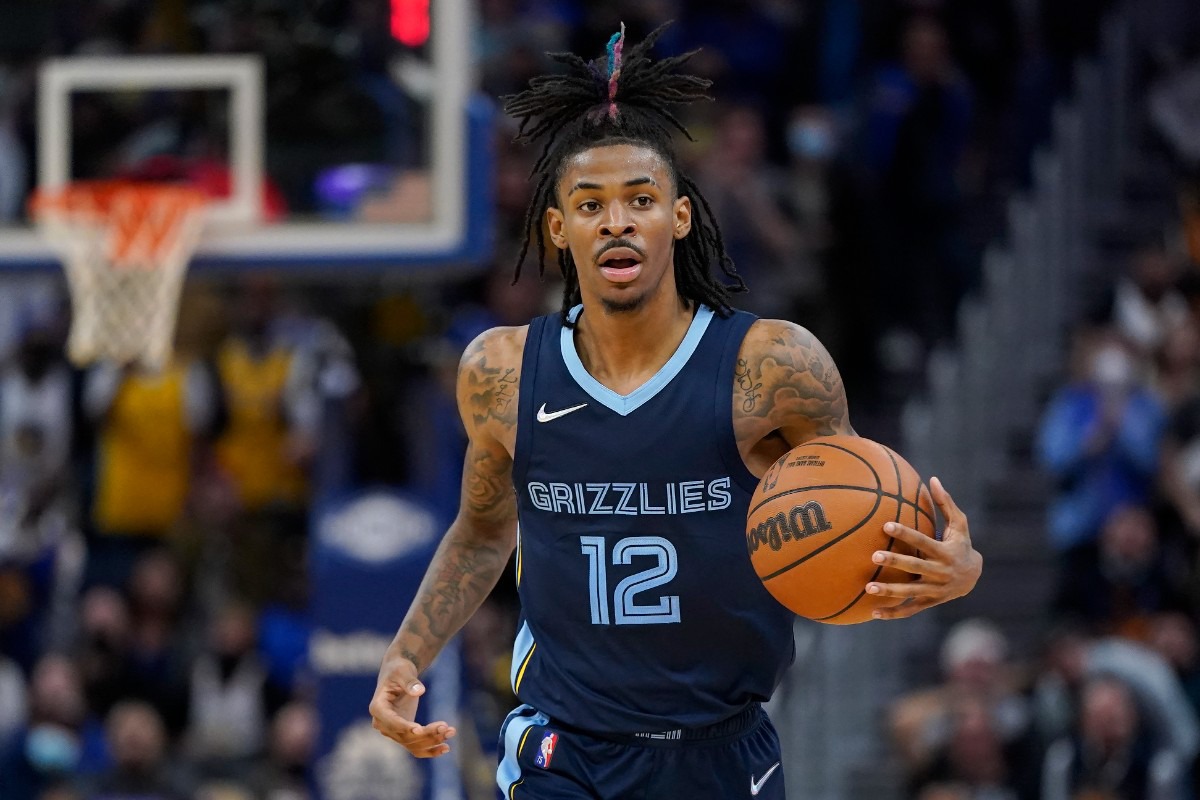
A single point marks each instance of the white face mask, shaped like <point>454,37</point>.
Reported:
<point>1113,367</point>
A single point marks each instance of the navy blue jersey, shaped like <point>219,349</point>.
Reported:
<point>641,611</point>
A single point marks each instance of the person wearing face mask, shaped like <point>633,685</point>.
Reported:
<point>1099,438</point>
<point>824,196</point>
<point>47,752</point>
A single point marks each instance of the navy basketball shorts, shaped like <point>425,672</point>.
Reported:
<point>541,759</point>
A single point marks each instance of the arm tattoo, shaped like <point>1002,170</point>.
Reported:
<point>492,389</point>
<point>487,492</point>
<point>800,386</point>
<point>475,550</point>
<point>464,571</point>
<point>746,385</point>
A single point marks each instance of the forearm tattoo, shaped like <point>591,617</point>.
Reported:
<point>475,550</point>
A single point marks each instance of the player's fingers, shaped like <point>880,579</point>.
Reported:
<point>389,723</point>
<point>430,752</point>
<point>950,510</point>
<point>911,589</point>
<point>433,733</point>
<point>918,540</point>
<point>903,610</point>
<point>426,744</point>
<point>917,566</point>
<point>394,734</point>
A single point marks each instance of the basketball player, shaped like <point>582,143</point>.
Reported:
<point>634,426</point>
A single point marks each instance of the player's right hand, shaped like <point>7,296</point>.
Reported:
<point>394,707</point>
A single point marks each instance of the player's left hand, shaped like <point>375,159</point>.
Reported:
<point>945,569</point>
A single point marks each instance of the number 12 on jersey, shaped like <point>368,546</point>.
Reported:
<point>626,610</point>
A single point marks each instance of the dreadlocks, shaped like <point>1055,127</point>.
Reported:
<point>623,100</point>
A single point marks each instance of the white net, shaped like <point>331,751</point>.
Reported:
<point>125,249</point>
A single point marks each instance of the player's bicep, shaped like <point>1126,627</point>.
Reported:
<point>792,385</point>
<point>487,502</point>
<point>488,383</point>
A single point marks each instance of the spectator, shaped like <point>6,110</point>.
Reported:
<point>228,707</point>
<point>824,195</point>
<point>1099,438</point>
<point>1117,587</point>
<point>159,648</point>
<point>976,756</point>
<point>267,448</point>
<point>141,767</point>
<point>917,128</point>
<point>1174,637</point>
<point>740,187</point>
<point>1110,751</point>
<point>261,450</point>
<point>103,649</point>
<point>287,774</point>
<point>1177,364</point>
<point>1145,305</point>
<point>41,553</point>
<point>1074,658</point>
<point>147,426</point>
<point>47,751</point>
<point>975,668</point>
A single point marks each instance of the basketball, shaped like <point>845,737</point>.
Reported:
<point>817,517</point>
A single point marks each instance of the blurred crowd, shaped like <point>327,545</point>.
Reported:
<point>154,584</point>
<point>1108,706</point>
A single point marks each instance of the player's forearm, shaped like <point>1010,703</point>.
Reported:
<point>464,570</point>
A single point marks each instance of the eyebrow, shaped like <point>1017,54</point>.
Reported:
<point>642,181</point>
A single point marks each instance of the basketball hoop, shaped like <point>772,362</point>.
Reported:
<point>125,248</point>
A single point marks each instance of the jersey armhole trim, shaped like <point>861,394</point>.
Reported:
<point>529,364</point>
<point>723,403</point>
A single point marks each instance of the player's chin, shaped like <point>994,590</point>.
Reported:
<point>623,299</point>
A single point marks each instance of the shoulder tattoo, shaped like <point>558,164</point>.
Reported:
<point>792,376</point>
<point>490,386</point>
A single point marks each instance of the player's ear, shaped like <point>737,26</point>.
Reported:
<point>683,216</point>
<point>554,220</point>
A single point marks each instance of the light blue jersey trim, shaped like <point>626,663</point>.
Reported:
<point>521,648</point>
<point>624,404</point>
<point>509,770</point>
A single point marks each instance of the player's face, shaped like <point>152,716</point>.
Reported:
<point>620,218</point>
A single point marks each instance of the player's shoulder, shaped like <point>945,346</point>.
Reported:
<point>775,338</point>
<point>496,348</point>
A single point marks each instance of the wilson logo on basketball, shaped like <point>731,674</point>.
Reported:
<point>801,522</point>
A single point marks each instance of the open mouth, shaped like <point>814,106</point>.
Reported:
<point>620,265</point>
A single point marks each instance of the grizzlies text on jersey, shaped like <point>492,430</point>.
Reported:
<point>641,611</point>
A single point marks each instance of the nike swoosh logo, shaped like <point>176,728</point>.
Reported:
<point>756,785</point>
<point>542,416</point>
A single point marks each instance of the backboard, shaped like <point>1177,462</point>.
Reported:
<point>424,210</point>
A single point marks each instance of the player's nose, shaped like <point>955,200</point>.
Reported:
<point>617,222</point>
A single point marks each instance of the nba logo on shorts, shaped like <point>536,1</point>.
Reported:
<point>546,750</point>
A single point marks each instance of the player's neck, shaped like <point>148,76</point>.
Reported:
<point>623,350</point>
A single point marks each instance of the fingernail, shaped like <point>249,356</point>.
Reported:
<point>872,588</point>
<point>878,558</point>
<point>876,615</point>
<point>889,527</point>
